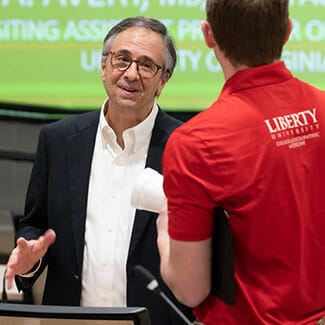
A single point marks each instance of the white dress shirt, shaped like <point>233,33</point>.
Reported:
<point>110,216</point>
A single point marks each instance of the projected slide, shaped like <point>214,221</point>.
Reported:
<point>50,50</point>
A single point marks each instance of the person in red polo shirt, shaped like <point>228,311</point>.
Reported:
<point>259,153</point>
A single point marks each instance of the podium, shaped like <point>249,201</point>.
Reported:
<point>25,314</point>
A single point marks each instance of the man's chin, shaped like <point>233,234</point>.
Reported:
<point>127,103</point>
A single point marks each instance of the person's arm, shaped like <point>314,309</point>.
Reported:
<point>32,239</point>
<point>185,265</point>
<point>185,231</point>
<point>26,254</point>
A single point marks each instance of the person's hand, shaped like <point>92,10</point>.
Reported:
<point>162,220</point>
<point>26,254</point>
<point>162,227</point>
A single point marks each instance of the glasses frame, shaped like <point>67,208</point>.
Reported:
<point>112,53</point>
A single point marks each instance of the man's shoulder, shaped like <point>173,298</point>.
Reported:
<point>320,93</point>
<point>166,122</point>
<point>71,123</point>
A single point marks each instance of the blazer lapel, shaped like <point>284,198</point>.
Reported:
<point>80,152</point>
<point>156,149</point>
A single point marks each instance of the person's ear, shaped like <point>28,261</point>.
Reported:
<point>289,30</point>
<point>163,82</point>
<point>103,66</point>
<point>208,34</point>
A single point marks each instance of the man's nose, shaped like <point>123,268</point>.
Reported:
<point>132,72</point>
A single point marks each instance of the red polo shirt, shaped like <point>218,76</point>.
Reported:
<point>259,152</point>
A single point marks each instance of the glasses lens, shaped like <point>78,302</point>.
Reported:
<point>147,68</point>
<point>121,61</point>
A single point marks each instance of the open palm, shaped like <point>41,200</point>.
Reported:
<point>26,254</point>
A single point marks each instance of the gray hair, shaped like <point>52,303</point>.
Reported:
<point>150,24</point>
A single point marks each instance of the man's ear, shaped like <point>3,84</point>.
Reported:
<point>208,34</point>
<point>103,65</point>
<point>163,82</point>
<point>289,30</point>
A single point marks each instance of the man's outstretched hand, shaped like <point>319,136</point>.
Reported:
<point>26,254</point>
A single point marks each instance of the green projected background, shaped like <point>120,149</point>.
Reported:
<point>50,50</point>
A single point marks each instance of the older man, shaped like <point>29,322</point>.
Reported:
<point>82,178</point>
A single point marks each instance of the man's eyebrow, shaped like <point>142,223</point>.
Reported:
<point>123,52</point>
<point>129,54</point>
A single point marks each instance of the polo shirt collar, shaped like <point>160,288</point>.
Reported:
<point>256,77</point>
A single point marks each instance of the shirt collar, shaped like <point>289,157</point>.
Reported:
<point>256,77</point>
<point>144,129</point>
<point>136,137</point>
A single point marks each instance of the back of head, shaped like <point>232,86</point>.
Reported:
<point>152,25</point>
<point>249,32</point>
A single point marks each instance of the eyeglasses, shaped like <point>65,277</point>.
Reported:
<point>146,67</point>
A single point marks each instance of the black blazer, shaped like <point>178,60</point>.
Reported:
<point>57,198</point>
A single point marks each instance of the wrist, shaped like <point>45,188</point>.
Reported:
<point>32,271</point>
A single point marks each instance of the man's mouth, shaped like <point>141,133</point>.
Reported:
<point>130,90</point>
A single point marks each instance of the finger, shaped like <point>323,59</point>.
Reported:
<point>164,207</point>
<point>22,243</point>
<point>15,263</point>
<point>162,222</point>
<point>9,283</point>
<point>163,215</point>
<point>48,238</point>
<point>12,262</point>
<point>165,204</point>
<point>10,274</point>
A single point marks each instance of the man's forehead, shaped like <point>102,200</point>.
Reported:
<point>134,32</point>
<point>141,39</point>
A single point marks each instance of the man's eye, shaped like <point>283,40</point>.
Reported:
<point>146,64</point>
<point>122,58</point>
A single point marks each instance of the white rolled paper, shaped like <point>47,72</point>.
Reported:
<point>147,193</point>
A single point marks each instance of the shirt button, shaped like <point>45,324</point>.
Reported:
<point>109,229</point>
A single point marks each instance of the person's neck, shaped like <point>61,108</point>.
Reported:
<point>228,68</point>
<point>228,72</point>
<point>122,119</point>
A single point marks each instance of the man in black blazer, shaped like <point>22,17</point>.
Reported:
<point>62,203</point>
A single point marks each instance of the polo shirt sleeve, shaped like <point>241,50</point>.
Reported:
<point>188,186</point>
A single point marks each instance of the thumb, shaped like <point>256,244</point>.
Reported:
<point>21,242</point>
<point>49,237</point>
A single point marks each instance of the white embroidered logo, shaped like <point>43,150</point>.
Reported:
<point>294,129</point>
